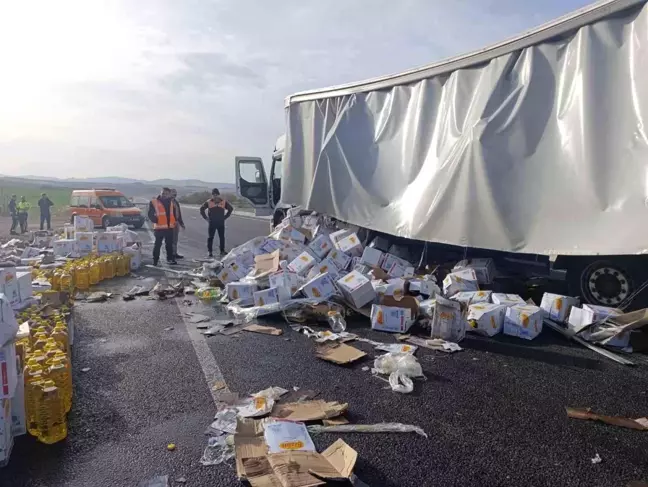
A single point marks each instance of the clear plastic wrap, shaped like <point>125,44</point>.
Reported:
<point>219,449</point>
<point>246,315</point>
<point>400,367</point>
<point>367,428</point>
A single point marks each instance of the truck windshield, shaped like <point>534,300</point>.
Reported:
<point>116,202</point>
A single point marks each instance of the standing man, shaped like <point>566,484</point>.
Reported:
<point>218,210</point>
<point>23,213</point>
<point>45,215</point>
<point>161,212</point>
<point>176,230</point>
<point>13,211</point>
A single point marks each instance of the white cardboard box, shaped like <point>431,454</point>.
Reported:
<point>240,290</point>
<point>285,279</point>
<point>326,266</point>
<point>507,299</point>
<point>590,313</point>
<point>372,257</point>
<point>339,235</point>
<point>321,246</point>
<point>226,275</point>
<point>6,438</point>
<point>341,259</point>
<point>302,264</point>
<point>321,286</point>
<point>64,247</point>
<point>136,257</point>
<point>25,290</point>
<point>523,321</point>
<point>8,370</point>
<point>357,289</point>
<point>107,242</point>
<point>449,321</point>
<point>9,286</point>
<point>18,413</point>
<point>484,269</point>
<point>266,296</point>
<point>425,287</point>
<point>351,245</point>
<point>390,318</point>
<point>557,307</point>
<point>84,242</point>
<point>472,297</point>
<point>486,318</point>
<point>389,260</point>
<point>460,281</point>
<point>83,224</point>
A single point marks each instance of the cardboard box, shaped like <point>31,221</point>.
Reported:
<point>390,318</point>
<point>339,235</point>
<point>449,321</point>
<point>484,269</point>
<point>507,299</point>
<point>486,318</point>
<point>18,413</point>
<point>302,264</point>
<point>6,438</point>
<point>372,257</point>
<point>83,224</point>
<point>580,318</point>
<point>291,233</point>
<point>321,286</point>
<point>240,290</point>
<point>9,286</point>
<point>321,246</point>
<point>350,245</point>
<point>341,259</point>
<point>266,264</point>
<point>84,242</point>
<point>424,287</point>
<point>8,323</point>
<point>225,275</point>
<point>266,296</point>
<point>8,370</point>
<point>557,307</point>
<point>326,266</point>
<point>136,256</point>
<point>282,436</point>
<point>472,297</point>
<point>107,242</point>
<point>285,279</point>
<point>25,290</point>
<point>523,321</point>
<point>357,289</point>
<point>389,260</point>
<point>460,281</point>
<point>64,247</point>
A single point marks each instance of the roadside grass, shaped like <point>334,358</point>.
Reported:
<point>59,196</point>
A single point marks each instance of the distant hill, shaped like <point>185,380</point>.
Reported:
<point>118,180</point>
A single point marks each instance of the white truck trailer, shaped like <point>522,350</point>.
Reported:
<point>533,147</point>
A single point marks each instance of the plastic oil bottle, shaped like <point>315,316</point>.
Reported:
<point>40,340</point>
<point>82,278</point>
<point>56,281</point>
<point>95,272</point>
<point>66,282</point>
<point>52,424</point>
<point>60,335</point>
<point>51,348</point>
<point>63,359</point>
<point>34,380</point>
<point>58,372</point>
<point>120,268</point>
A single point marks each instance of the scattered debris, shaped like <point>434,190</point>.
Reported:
<point>169,328</point>
<point>339,353</point>
<point>171,447</point>
<point>400,367</point>
<point>597,459</point>
<point>308,410</point>
<point>85,369</point>
<point>264,330</point>
<point>218,385</point>
<point>636,424</point>
<point>367,428</point>
<point>181,480</point>
<point>198,318</point>
<point>162,481</point>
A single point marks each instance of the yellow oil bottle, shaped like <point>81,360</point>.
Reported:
<point>110,266</point>
<point>55,281</point>
<point>40,339</point>
<point>121,265</point>
<point>59,334</point>
<point>63,359</point>
<point>95,272</point>
<point>58,372</point>
<point>52,424</point>
<point>51,348</point>
<point>82,278</point>
<point>34,380</point>
<point>38,356</point>
<point>66,281</point>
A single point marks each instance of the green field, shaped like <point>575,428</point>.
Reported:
<point>59,196</point>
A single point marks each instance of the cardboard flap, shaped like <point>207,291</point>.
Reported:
<point>248,427</point>
<point>308,410</point>
<point>630,321</point>
<point>292,469</point>
<point>409,302</point>
<point>341,457</point>
<point>265,330</point>
<point>245,448</point>
<point>259,473</point>
<point>267,263</point>
<point>339,353</point>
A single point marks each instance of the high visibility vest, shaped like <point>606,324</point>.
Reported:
<point>164,222</point>
<point>23,207</point>
<point>212,204</point>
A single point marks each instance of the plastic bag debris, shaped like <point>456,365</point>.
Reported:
<point>272,392</point>
<point>597,459</point>
<point>400,367</point>
<point>336,322</point>
<point>161,481</point>
<point>397,348</point>
<point>435,344</point>
<point>254,407</point>
<point>225,422</point>
<point>219,449</point>
<point>400,383</point>
<point>367,428</point>
<point>249,314</point>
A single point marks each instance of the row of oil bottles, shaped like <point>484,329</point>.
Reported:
<point>48,374</point>
<point>80,274</point>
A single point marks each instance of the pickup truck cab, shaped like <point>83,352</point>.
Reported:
<point>106,207</point>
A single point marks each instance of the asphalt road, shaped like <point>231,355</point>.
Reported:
<point>494,413</point>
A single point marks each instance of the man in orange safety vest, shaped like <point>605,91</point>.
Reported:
<point>163,216</point>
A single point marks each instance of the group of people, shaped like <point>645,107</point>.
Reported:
<point>19,211</point>
<point>165,214</point>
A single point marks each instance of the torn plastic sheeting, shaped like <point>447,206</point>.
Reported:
<point>397,348</point>
<point>273,392</point>
<point>404,363</point>
<point>248,314</point>
<point>329,336</point>
<point>255,407</point>
<point>161,481</point>
<point>400,383</point>
<point>219,449</point>
<point>368,428</point>
<point>435,344</point>
<point>225,422</point>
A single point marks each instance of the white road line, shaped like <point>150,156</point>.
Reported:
<point>211,370</point>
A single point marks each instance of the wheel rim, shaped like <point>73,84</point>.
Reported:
<point>606,284</point>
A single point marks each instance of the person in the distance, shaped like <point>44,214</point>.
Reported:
<point>216,210</point>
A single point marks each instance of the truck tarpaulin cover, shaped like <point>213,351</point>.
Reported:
<point>538,144</point>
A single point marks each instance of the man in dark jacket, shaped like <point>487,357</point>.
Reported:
<point>45,215</point>
<point>176,230</point>
<point>216,210</point>
<point>13,211</point>
<point>161,212</point>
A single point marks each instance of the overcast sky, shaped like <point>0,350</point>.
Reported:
<point>176,88</point>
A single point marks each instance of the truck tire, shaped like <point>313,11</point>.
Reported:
<point>601,282</point>
<point>277,217</point>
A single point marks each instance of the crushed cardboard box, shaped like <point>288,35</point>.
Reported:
<point>264,330</point>
<point>308,410</point>
<point>338,353</point>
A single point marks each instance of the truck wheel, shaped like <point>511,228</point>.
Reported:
<point>277,218</point>
<point>601,282</point>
